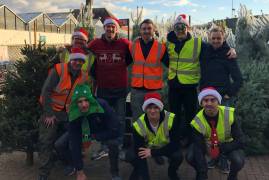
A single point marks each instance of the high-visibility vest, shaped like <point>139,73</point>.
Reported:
<point>225,121</point>
<point>185,64</point>
<point>161,137</point>
<point>62,93</point>
<point>86,67</point>
<point>147,72</point>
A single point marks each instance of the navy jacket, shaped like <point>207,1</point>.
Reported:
<point>103,127</point>
<point>217,70</point>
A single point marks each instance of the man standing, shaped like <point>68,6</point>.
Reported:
<point>79,40</point>
<point>92,119</point>
<point>217,133</point>
<point>55,99</point>
<point>217,70</point>
<point>147,71</point>
<point>156,134</point>
<point>110,68</point>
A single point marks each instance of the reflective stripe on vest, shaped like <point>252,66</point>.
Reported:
<point>225,121</point>
<point>161,137</point>
<point>62,93</point>
<point>147,72</point>
<point>185,64</point>
<point>86,67</point>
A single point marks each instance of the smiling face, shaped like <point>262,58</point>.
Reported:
<point>76,64</point>
<point>181,30</point>
<point>147,31</point>
<point>153,112</point>
<point>78,41</point>
<point>110,31</point>
<point>216,39</point>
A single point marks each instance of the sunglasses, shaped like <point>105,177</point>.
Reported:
<point>180,27</point>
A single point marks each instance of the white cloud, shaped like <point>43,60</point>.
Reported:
<point>22,2</point>
<point>194,10</point>
<point>22,6</point>
<point>115,8</point>
<point>262,1</point>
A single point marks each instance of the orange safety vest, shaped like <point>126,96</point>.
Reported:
<point>62,93</point>
<point>147,72</point>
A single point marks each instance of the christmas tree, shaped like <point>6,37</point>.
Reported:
<point>137,19</point>
<point>253,100</point>
<point>20,109</point>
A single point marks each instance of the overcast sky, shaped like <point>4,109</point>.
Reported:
<point>201,10</point>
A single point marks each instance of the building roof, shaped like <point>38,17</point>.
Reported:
<point>2,5</point>
<point>60,18</point>
<point>27,17</point>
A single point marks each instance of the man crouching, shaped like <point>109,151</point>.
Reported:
<point>92,119</point>
<point>217,133</point>
<point>156,134</point>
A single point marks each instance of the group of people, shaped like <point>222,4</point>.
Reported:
<point>84,99</point>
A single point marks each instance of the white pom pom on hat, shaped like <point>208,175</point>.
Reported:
<point>209,91</point>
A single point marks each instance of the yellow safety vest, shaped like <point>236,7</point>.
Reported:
<point>161,138</point>
<point>185,65</point>
<point>225,121</point>
<point>86,67</point>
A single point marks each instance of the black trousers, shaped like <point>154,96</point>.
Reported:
<point>185,97</point>
<point>140,166</point>
<point>196,158</point>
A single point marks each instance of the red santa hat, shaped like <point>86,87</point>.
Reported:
<point>182,18</point>
<point>82,32</point>
<point>152,98</point>
<point>112,20</point>
<point>209,91</point>
<point>77,53</point>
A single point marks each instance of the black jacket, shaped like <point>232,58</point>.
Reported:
<point>217,69</point>
<point>172,146</point>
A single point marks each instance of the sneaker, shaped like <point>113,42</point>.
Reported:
<point>159,160</point>
<point>223,165</point>
<point>172,174</point>
<point>42,177</point>
<point>232,178</point>
<point>116,178</point>
<point>69,171</point>
<point>100,154</point>
<point>201,176</point>
<point>212,163</point>
<point>122,155</point>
